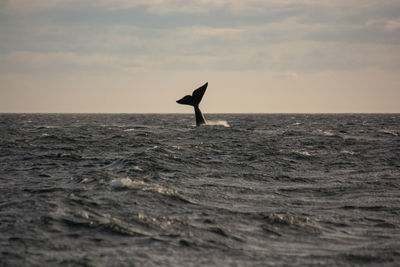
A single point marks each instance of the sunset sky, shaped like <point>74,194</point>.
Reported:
<point>264,56</point>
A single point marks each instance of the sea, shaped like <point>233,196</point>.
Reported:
<point>242,190</point>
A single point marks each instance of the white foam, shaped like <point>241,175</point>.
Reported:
<point>137,168</point>
<point>302,153</point>
<point>325,133</point>
<point>141,185</point>
<point>121,183</point>
<point>388,131</point>
<point>87,180</point>
<point>49,126</point>
<point>218,123</point>
<point>349,152</point>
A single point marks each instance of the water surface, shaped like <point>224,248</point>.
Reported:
<point>248,189</point>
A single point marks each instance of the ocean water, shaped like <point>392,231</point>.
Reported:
<point>244,190</point>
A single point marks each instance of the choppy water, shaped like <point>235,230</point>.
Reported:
<point>151,190</point>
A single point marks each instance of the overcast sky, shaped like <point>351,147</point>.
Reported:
<point>134,56</point>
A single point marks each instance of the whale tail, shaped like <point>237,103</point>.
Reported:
<point>194,100</point>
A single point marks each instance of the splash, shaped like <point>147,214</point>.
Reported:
<point>218,123</point>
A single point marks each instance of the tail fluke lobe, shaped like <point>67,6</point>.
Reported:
<point>198,94</point>
<point>194,100</point>
<point>186,100</point>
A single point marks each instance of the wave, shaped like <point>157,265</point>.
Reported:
<point>302,153</point>
<point>349,152</point>
<point>389,132</point>
<point>41,127</point>
<point>127,183</point>
<point>96,220</point>
<point>134,225</point>
<point>327,133</point>
<point>278,224</point>
<point>121,164</point>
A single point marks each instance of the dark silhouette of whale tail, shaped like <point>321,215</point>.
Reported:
<point>194,100</point>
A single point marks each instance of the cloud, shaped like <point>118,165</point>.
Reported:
<point>251,7</point>
<point>26,6</point>
<point>392,25</point>
<point>121,35</point>
<point>61,62</point>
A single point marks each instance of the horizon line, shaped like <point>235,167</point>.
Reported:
<point>188,113</point>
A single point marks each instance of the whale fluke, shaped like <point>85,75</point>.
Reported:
<point>194,100</point>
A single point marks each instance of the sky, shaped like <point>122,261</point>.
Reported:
<point>258,56</point>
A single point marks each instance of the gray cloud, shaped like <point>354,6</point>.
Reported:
<point>241,35</point>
